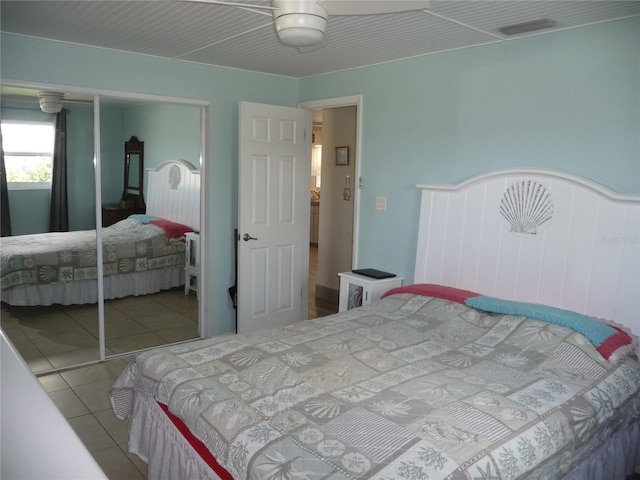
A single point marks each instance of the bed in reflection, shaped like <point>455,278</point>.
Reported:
<point>496,363</point>
<point>142,254</point>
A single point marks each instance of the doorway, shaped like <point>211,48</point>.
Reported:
<point>334,249</point>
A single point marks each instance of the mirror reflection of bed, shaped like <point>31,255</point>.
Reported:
<point>55,323</point>
<point>58,336</point>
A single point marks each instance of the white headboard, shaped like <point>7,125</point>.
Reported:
<point>174,193</point>
<point>580,252</point>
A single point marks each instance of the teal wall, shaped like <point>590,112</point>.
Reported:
<point>111,152</point>
<point>29,211</point>
<point>568,100</point>
<point>81,189</point>
<point>169,132</point>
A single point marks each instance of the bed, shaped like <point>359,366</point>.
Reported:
<point>494,363</point>
<point>142,254</point>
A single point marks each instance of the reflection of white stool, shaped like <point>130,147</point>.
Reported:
<point>192,263</point>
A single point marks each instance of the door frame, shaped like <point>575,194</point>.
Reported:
<point>348,101</point>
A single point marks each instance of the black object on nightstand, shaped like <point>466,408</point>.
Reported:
<point>373,273</point>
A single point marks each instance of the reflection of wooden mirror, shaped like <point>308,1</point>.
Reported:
<point>133,174</point>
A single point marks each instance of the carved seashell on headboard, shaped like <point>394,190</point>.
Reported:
<point>526,206</point>
<point>174,177</point>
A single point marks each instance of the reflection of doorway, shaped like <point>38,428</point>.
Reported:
<point>338,196</point>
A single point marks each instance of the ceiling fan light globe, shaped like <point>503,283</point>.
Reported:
<point>300,37</point>
<point>300,29</point>
<point>50,102</point>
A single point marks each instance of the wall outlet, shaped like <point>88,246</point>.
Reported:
<point>381,204</point>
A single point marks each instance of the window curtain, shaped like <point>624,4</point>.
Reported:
<point>5,215</point>
<point>59,210</point>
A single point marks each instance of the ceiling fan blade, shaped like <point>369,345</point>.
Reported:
<point>233,4</point>
<point>372,7</point>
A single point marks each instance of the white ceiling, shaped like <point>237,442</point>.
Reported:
<point>245,39</point>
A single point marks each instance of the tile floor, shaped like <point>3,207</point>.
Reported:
<point>61,336</point>
<point>81,394</point>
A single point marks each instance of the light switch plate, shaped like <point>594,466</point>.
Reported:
<point>381,204</point>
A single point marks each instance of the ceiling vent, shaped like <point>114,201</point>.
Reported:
<point>527,27</point>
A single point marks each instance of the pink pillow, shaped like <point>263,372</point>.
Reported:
<point>172,229</point>
<point>433,290</point>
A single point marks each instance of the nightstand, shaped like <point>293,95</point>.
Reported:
<point>112,213</point>
<point>192,262</point>
<point>357,290</point>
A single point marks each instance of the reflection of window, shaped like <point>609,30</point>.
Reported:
<point>28,154</point>
<point>316,164</point>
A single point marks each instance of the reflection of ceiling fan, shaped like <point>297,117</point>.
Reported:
<point>49,101</point>
<point>301,23</point>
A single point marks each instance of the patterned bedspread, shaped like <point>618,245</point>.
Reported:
<point>410,387</point>
<point>128,246</point>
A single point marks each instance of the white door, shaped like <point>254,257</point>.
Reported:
<point>274,175</point>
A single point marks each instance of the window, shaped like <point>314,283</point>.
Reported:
<point>28,154</point>
<point>316,165</point>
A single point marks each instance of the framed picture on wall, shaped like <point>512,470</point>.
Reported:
<point>342,155</point>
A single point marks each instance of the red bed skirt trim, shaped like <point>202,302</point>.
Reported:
<point>614,342</point>
<point>196,444</point>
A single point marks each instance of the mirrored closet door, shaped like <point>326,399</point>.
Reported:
<point>148,152</point>
<point>150,203</point>
<point>48,151</point>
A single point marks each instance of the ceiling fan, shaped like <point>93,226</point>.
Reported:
<point>302,23</point>
<point>49,101</point>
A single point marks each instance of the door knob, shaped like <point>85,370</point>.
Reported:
<point>246,237</point>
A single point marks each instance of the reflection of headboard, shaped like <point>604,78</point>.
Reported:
<point>174,193</point>
<point>580,251</point>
